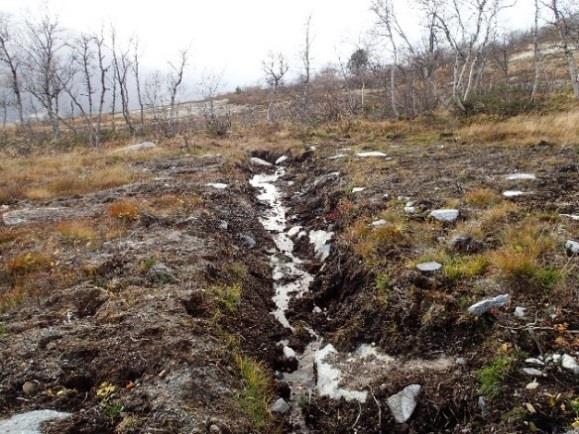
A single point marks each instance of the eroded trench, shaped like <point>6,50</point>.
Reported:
<point>320,370</point>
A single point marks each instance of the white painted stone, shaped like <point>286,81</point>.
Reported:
<point>403,404</point>
<point>445,215</point>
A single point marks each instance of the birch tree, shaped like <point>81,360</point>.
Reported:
<point>275,67</point>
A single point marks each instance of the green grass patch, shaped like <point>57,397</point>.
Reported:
<point>256,393</point>
<point>492,376</point>
<point>227,296</point>
<point>465,267</point>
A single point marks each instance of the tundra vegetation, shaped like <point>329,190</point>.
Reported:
<point>136,284</point>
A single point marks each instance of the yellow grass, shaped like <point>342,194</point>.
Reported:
<point>560,128</point>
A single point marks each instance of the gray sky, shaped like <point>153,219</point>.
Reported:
<point>232,36</point>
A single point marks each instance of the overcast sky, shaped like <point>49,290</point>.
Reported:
<point>232,36</point>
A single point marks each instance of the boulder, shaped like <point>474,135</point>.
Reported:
<point>572,247</point>
<point>445,215</point>
<point>279,407</point>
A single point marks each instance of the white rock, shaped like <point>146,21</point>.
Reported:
<point>429,267</point>
<point>520,312</point>
<point>532,372</point>
<point>378,223</point>
<point>532,385</point>
<point>409,208</point>
<point>571,216</point>
<point>513,193</point>
<point>280,406</point>
<point>572,247</point>
<point>281,159</point>
<point>521,177</point>
<point>320,240</point>
<point>358,189</point>
<point>217,185</point>
<point>259,162</point>
<point>487,304</point>
<point>29,423</point>
<point>570,363</point>
<point>337,157</point>
<point>445,215</point>
<point>370,154</point>
<point>289,352</point>
<point>534,361</point>
<point>403,404</point>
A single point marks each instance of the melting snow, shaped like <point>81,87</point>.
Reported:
<point>320,239</point>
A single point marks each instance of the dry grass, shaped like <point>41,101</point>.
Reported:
<point>81,231</point>
<point>28,262</point>
<point>125,210</point>
<point>482,197</point>
<point>368,241</point>
<point>561,128</point>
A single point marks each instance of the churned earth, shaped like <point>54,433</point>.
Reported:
<point>323,287</point>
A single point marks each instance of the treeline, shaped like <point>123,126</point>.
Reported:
<point>461,61</point>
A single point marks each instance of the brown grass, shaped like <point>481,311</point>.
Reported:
<point>28,262</point>
<point>77,231</point>
<point>125,210</point>
<point>482,197</point>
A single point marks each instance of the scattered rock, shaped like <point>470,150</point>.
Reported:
<point>280,406</point>
<point>513,193</point>
<point>222,225</point>
<point>520,312</point>
<point>358,189</point>
<point>403,404</point>
<point>29,423</point>
<point>570,363</point>
<point>485,305</point>
<point>445,215</point>
<point>29,388</point>
<point>429,267</point>
<point>259,162</point>
<point>572,247</point>
<point>42,215</point>
<point>571,216</point>
<point>532,385</point>
<point>217,185</point>
<point>534,361</point>
<point>247,241</point>
<point>378,223</point>
<point>337,157</point>
<point>532,372</point>
<point>282,159</point>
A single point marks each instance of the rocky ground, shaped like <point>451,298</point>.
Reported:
<point>147,308</point>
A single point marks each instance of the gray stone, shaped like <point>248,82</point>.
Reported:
<point>280,406</point>
<point>487,304</point>
<point>572,247</point>
<point>29,423</point>
<point>223,225</point>
<point>445,215</point>
<point>403,404</point>
<point>570,363</point>
<point>247,241</point>
<point>464,243</point>
<point>534,361</point>
<point>429,267</point>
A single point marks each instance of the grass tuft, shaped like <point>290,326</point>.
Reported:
<point>256,392</point>
<point>28,262</point>
<point>492,376</point>
<point>125,210</point>
<point>77,231</point>
<point>227,296</point>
